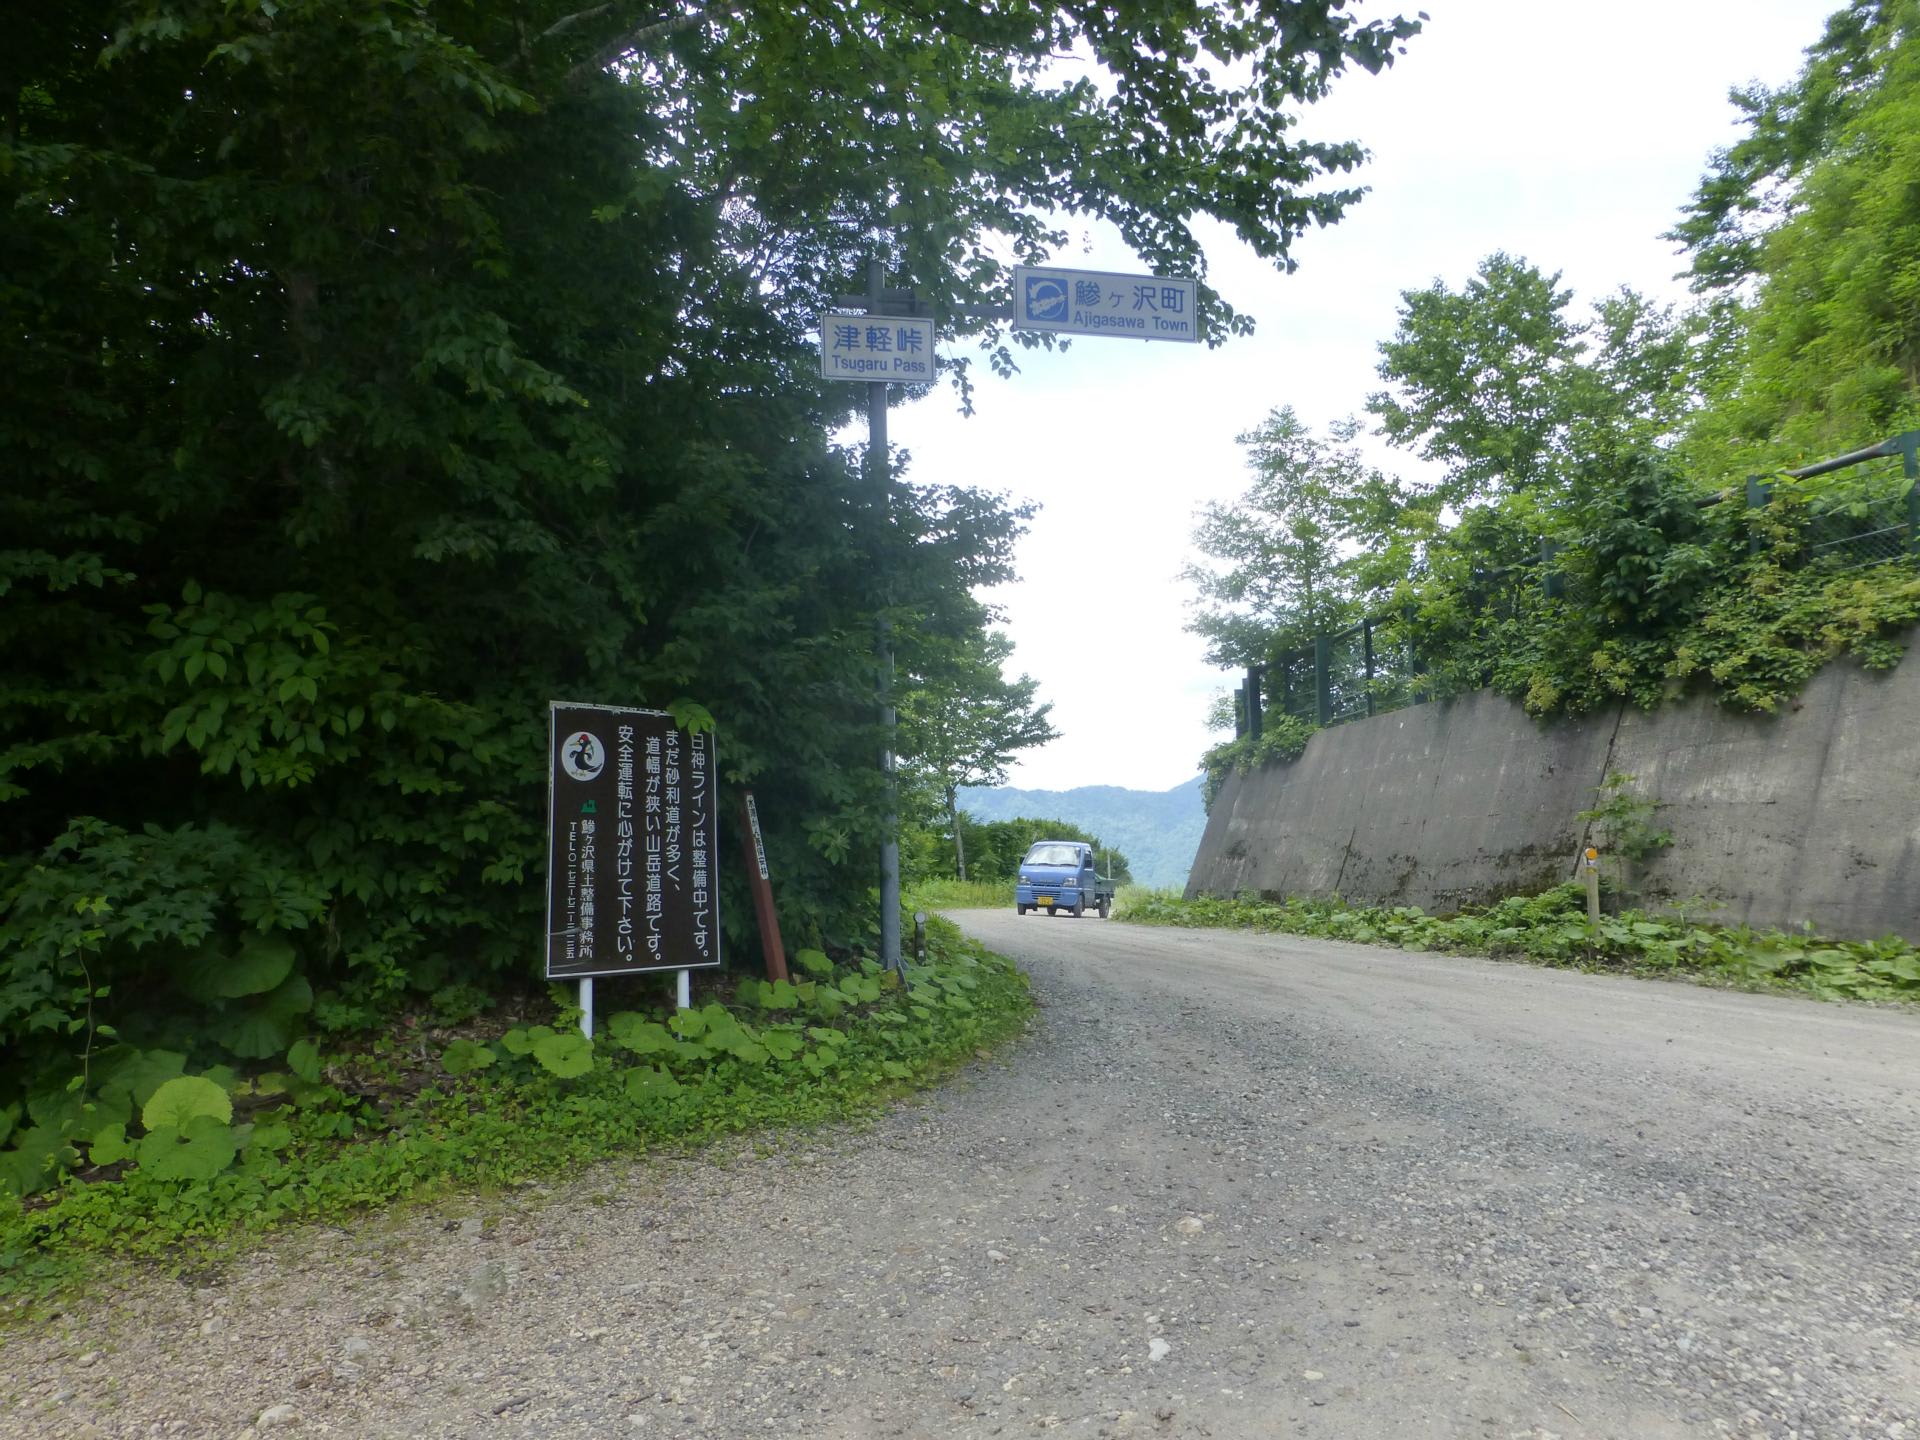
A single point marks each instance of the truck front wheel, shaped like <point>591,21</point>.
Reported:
<point>1079,908</point>
<point>1105,905</point>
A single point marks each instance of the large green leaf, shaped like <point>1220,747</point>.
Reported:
<point>568,1055</point>
<point>639,1034</point>
<point>463,1057</point>
<point>256,1029</point>
<point>198,1151</point>
<point>179,1102</point>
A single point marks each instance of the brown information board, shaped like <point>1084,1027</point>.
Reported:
<point>633,854</point>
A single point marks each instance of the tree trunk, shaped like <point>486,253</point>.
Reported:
<point>959,842</point>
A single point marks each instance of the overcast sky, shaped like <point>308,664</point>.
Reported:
<point>1567,133</point>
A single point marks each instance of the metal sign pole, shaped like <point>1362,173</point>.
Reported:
<point>683,992</point>
<point>880,466</point>
<point>586,1005</point>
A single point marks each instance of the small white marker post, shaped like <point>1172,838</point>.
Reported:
<point>683,996</point>
<point>586,1006</point>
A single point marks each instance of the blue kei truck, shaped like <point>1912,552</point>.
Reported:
<point>1059,875</point>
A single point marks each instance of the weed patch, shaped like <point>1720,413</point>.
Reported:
<point>538,1100</point>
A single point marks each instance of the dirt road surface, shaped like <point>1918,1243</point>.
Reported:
<point>1233,1186</point>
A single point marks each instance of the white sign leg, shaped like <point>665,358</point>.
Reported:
<point>684,998</point>
<point>586,1007</point>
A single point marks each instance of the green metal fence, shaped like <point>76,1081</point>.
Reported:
<point>1861,509</point>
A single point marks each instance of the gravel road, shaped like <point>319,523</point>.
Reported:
<point>1232,1186</point>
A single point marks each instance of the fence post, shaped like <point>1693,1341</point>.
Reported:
<point>1366,645</point>
<point>1551,585</point>
<point>1254,725</point>
<point>1909,444</point>
<point>1322,686</point>
<point>1759,496</point>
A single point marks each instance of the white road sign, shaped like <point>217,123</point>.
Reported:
<point>876,347</point>
<point>1095,302</point>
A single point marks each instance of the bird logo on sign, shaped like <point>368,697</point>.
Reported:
<point>583,756</point>
<point>1046,298</point>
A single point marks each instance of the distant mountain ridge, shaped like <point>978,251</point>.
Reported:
<point>1157,830</point>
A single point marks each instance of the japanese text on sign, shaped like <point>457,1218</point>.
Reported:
<point>1093,302</point>
<point>876,347</point>
<point>633,832</point>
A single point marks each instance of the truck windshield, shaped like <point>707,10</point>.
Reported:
<point>1054,855</point>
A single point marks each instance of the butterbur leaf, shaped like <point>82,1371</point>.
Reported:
<point>519,1041</point>
<point>109,1145</point>
<point>178,1103</point>
<point>261,963</point>
<point>689,1022</point>
<point>782,1044</point>
<point>136,1074</point>
<point>303,1059</point>
<point>639,1034</point>
<point>463,1057</point>
<point>270,1135</point>
<point>568,1056</point>
<point>198,1151</point>
<point>814,962</point>
<point>646,1082</point>
<point>36,1158</point>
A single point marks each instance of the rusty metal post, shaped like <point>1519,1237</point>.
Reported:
<point>761,883</point>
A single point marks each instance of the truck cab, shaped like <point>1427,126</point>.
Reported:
<point>1060,875</point>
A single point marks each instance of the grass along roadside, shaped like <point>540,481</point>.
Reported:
<point>1551,928</point>
<point>988,894</point>
<point>544,1102</point>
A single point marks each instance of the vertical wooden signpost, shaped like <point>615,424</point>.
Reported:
<point>760,881</point>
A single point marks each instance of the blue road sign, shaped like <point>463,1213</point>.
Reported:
<point>1098,302</point>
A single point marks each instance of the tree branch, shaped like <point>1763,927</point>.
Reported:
<point>646,35</point>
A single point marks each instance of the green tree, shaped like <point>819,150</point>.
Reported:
<point>378,373</point>
<point>963,722</point>
<point>1831,353</point>
<point>998,846</point>
<point>1481,378</point>
<point>1755,183</point>
<point>1283,568</point>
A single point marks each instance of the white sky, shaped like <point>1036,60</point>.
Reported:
<point>1567,133</point>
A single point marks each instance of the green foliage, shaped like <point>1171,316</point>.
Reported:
<point>180,1102</point>
<point>995,848</point>
<point>1552,928</point>
<point>377,373</point>
<point>463,1057</point>
<point>1831,350</point>
<point>1624,820</point>
<point>1283,737</point>
<point>706,1072</point>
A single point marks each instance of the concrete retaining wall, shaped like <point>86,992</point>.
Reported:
<point>1811,815</point>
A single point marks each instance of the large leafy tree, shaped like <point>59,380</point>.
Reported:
<point>1281,562</point>
<point>377,373</point>
<point>964,722</point>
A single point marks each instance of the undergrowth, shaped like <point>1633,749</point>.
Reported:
<point>948,894</point>
<point>1552,928</point>
<point>538,1101</point>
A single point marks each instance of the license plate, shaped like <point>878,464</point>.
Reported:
<point>1043,899</point>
